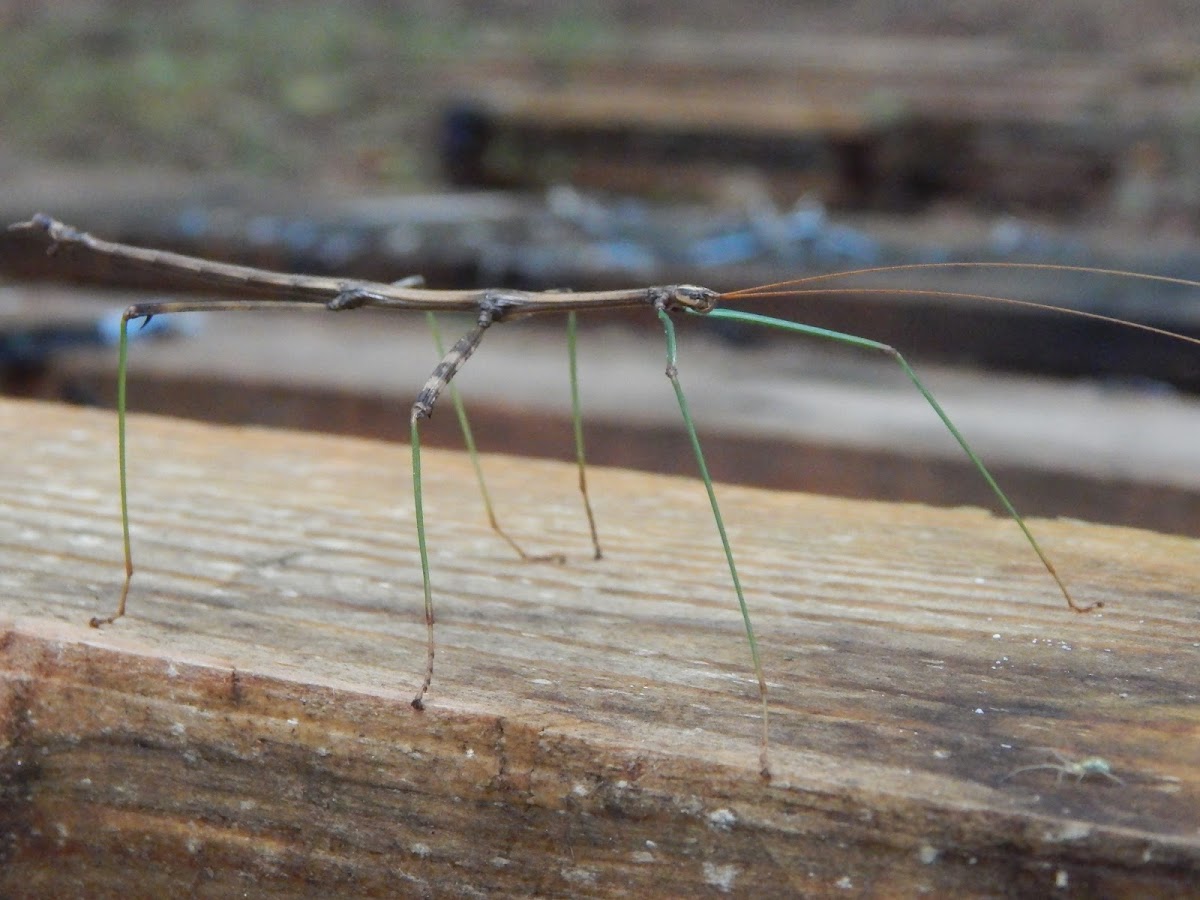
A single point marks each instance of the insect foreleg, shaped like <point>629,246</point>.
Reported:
<point>422,409</point>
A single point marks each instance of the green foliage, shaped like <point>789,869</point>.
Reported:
<point>262,88</point>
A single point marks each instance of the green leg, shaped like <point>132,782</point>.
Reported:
<point>122,380</point>
<point>855,341</point>
<point>673,374</point>
<point>418,701</point>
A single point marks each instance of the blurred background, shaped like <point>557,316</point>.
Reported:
<point>572,145</point>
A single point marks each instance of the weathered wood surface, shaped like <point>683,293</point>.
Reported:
<point>866,123</point>
<point>592,726</point>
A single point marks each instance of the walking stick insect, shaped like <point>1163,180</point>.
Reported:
<point>289,291</point>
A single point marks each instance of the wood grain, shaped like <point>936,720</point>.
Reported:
<point>592,726</point>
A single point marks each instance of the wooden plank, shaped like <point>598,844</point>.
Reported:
<point>592,725</point>
<point>919,122</point>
